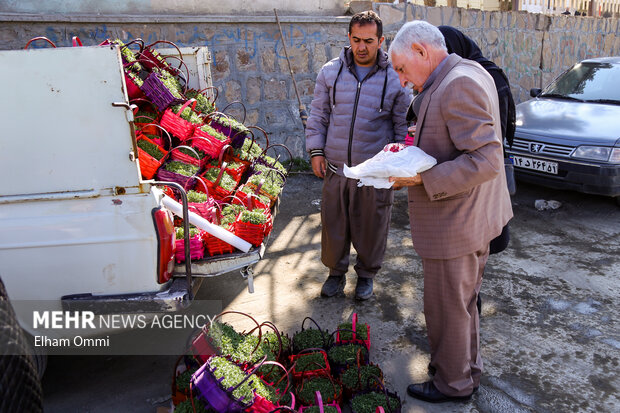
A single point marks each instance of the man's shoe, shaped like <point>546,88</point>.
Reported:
<point>428,392</point>
<point>363,289</point>
<point>334,285</point>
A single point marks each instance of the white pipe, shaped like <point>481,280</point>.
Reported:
<point>203,224</point>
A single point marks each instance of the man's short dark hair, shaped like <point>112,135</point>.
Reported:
<point>367,17</point>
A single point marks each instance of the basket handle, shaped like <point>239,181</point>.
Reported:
<point>264,133</point>
<point>251,318</point>
<point>317,326</point>
<point>162,128</point>
<point>186,104</point>
<point>239,103</point>
<point>138,41</point>
<point>179,73</point>
<point>39,38</point>
<point>319,401</point>
<point>76,41</point>
<point>137,101</point>
<point>378,380</point>
<point>167,42</point>
<point>275,329</point>
<point>211,118</point>
<point>217,92</point>
<point>290,157</point>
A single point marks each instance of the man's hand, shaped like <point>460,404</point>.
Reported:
<point>403,182</point>
<point>319,164</point>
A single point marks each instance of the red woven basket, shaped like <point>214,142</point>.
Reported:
<point>215,246</point>
<point>176,125</point>
<point>252,233</point>
<point>213,146</point>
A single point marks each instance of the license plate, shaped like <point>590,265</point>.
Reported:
<point>535,164</point>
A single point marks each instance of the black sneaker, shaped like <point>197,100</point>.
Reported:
<point>334,285</point>
<point>363,289</point>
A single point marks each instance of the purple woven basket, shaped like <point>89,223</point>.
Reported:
<point>158,93</point>
<point>212,392</point>
<point>167,176</point>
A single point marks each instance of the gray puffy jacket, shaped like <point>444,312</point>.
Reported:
<point>350,121</point>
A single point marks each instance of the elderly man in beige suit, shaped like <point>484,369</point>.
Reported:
<point>457,207</point>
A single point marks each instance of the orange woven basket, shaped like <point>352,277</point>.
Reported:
<point>148,164</point>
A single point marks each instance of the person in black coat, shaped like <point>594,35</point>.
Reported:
<point>457,42</point>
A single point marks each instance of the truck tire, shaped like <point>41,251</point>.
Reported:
<point>20,385</point>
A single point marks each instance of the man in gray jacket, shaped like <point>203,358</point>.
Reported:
<point>359,106</point>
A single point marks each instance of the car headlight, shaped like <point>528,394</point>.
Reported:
<point>595,153</point>
<point>615,155</point>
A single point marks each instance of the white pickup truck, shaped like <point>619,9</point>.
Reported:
<point>77,222</point>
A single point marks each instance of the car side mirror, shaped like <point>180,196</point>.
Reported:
<point>535,92</point>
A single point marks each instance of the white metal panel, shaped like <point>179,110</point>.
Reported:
<point>198,62</point>
<point>58,130</point>
<point>105,245</point>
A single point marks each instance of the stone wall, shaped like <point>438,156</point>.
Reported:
<point>249,63</point>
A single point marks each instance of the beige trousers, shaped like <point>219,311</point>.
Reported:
<point>451,289</point>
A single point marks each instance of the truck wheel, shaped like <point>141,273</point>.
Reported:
<point>21,386</point>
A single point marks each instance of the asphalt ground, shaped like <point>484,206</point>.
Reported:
<point>550,335</point>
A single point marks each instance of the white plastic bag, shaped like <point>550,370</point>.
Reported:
<point>395,160</point>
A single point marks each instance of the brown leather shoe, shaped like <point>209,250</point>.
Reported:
<point>429,393</point>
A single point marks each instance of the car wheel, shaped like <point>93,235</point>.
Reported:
<point>617,198</point>
<point>21,385</point>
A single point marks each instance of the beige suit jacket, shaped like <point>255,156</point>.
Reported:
<point>463,202</point>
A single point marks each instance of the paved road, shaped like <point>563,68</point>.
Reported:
<point>550,323</point>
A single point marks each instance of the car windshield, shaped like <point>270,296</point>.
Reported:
<point>588,81</point>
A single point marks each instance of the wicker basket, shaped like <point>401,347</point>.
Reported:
<point>148,164</point>
<point>158,93</point>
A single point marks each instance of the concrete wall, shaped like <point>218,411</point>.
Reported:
<point>249,62</point>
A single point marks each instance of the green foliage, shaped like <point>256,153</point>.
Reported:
<point>267,184</point>
<point>170,82</point>
<point>273,163</point>
<point>150,148</point>
<point>231,376</point>
<point>309,338</point>
<point>310,361</point>
<point>298,165</point>
<point>193,231</point>
<point>203,104</point>
<point>249,151</point>
<point>274,344</point>
<point>361,332</point>
<point>249,190</point>
<point>196,197</point>
<point>227,182</point>
<point>368,402</point>
<point>186,407</point>
<point>193,152</point>
<point>317,409</point>
<point>188,114</point>
<point>324,385</point>
<point>212,132</point>
<point>229,122</point>
<point>256,216</point>
<point>347,353</point>
<point>352,378</point>
<point>183,379</point>
<point>181,168</point>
